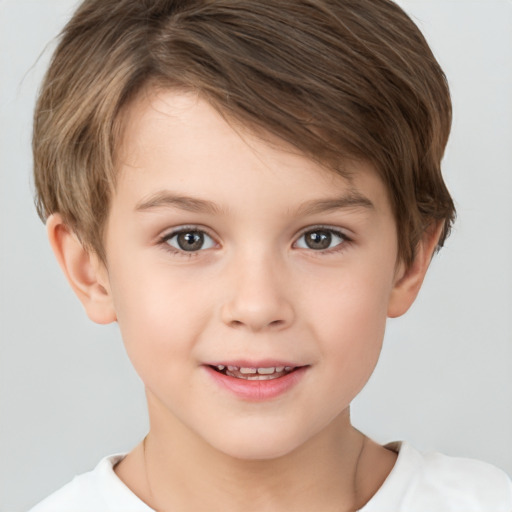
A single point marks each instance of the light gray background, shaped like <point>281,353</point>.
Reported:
<point>68,395</point>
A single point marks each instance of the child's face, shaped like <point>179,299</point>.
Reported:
<point>288,265</point>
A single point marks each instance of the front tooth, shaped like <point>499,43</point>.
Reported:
<point>232,368</point>
<point>266,371</point>
<point>260,377</point>
<point>247,371</point>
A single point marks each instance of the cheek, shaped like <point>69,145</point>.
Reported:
<point>351,321</point>
<point>157,323</point>
<point>352,301</point>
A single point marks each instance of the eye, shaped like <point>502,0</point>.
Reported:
<point>189,240</point>
<point>321,239</point>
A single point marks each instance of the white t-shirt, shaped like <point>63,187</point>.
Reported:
<point>429,482</point>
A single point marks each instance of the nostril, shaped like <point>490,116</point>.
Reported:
<point>273,324</point>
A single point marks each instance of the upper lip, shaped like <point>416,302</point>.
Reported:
<point>265,363</point>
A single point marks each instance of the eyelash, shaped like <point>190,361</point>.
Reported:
<point>341,246</point>
<point>345,240</point>
<point>164,240</point>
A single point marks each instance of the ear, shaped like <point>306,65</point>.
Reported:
<point>408,280</point>
<point>86,274</point>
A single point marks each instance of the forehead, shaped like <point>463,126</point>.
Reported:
<point>173,138</point>
<point>189,116</point>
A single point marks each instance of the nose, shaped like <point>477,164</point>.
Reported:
<point>258,296</point>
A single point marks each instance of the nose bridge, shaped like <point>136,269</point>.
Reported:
<point>258,297</point>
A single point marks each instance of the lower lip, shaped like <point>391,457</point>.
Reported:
<point>257,390</point>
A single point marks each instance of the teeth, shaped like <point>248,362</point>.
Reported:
<point>253,377</point>
<point>247,371</point>
<point>254,373</point>
<point>266,371</point>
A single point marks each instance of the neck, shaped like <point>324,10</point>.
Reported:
<point>321,474</point>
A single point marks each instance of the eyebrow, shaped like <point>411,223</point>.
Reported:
<point>351,200</point>
<point>165,199</point>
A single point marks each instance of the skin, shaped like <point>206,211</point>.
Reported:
<point>254,291</point>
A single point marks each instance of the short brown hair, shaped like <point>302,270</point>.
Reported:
<point>335,78</point>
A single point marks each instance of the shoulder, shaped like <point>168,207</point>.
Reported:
<point>99,489</point>
<point>431,481</point>
<point>459,471</point>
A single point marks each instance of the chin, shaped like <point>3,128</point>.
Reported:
<point>256,451</point>
<point>258,444</point>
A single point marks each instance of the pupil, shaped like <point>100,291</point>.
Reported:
<point>318,239</point>
<point>190,241</point>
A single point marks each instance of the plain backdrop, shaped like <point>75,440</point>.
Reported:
<point>68,395</point>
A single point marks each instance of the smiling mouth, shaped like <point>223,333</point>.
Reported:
<point>265,373</point>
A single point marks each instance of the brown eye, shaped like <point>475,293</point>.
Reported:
<point>190,241</point>
<point>320,239</point>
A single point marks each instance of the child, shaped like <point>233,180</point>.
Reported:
<point>249,189</point>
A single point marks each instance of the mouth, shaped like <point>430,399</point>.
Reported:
<point>254,373</point>
<point>256,382</point>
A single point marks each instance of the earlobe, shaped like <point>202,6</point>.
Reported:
<point>409,280</point>
<point>83,269</point>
